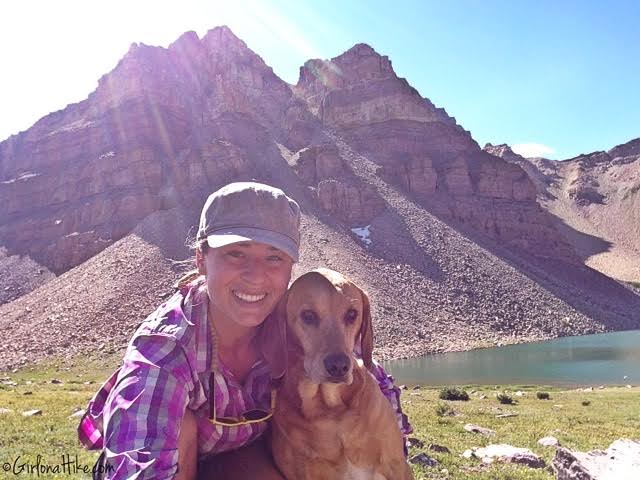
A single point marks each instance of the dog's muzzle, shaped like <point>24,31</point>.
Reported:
<point>337,365</point>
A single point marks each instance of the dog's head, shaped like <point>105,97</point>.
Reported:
<point>321,317</point>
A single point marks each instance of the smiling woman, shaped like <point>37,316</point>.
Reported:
<point>194,382</point>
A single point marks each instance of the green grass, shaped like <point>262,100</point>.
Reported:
<point>52,434</point>
<point>612,413</point>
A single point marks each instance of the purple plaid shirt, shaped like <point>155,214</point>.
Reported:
<point>135,416</point>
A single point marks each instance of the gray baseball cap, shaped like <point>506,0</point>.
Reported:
<point>244,211</point>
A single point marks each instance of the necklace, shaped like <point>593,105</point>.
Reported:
<point>214,343</point>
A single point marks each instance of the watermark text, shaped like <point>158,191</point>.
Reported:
<point>69,465</point>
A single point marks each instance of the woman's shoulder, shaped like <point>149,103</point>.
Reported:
<point>179,323</point>
<point>168,319</point>
<point>179,314</point>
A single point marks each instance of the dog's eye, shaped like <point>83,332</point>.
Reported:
<point>350,316</point>
<point>309,317</point>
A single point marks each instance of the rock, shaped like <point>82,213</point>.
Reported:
<point>424,460</point>
<point>549,441</point>
<point>31,413</point>
<point>520,394</point>
<point>438,448</point>
<point>415,442</point>
<point>416,387</point>
<point>56,381</point>
<point>76,414</point>
<point>509,454</point>
<point>506,415</point>
<point>320,162</point>
<point>487,432</point>
<point>467,453</point>
<point>5,411</point>
<point>620,461</point>
<point>27,393</point>
<point>352,202</point>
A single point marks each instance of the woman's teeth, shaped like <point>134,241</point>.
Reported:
<point>249,298</point>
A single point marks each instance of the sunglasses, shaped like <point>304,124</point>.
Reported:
<point>247,418</point>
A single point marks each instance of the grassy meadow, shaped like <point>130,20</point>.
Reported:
<point>580,420</point>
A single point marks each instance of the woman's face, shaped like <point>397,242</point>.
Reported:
<point>245,281</point>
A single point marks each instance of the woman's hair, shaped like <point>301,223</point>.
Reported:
<point>201,245</point>
<point>196,245</point>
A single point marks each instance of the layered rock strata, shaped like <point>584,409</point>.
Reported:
<point>163,128</point>
<point>425,151</point>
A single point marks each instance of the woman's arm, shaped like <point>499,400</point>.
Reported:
<point>392,393</point>
<point>144,412</point>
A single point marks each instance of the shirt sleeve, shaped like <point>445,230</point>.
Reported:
<point>392,393</point>
<point>143,412</point>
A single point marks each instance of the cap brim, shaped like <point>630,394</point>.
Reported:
<point>277,240</point>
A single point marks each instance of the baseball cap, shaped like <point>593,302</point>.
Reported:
<point>245,211</point>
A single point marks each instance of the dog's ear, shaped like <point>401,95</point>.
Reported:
<point>272,339</point>
<point>366,331</point>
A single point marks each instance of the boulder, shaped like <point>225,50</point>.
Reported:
<point>438,448</point>
<point>487,432</point>
<point>509,454</point>
<point>415,442</point>
<point>620,461</point>
<point>31,413</point>
<point>424,460</point>
<point>549,441</point>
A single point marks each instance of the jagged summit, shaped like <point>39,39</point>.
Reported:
<point>360,63</point>
<point>185,41</point>
<point>223,37</point>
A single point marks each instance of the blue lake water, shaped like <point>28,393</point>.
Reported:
<point>602,359</point>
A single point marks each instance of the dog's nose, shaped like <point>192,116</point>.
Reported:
<point>337,364</point>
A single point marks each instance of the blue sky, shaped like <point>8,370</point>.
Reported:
<point>563,75</point>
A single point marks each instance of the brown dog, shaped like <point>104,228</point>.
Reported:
<point>331,420</point>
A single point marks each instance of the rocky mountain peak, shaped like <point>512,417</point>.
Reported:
<point>503,148</point>
<point>359,64</point>
<point>503,151</point>
<point>186,42</point>
<point>631,148</point>
<point>222,38</point>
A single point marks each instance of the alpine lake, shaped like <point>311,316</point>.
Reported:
<point>589,360</point>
